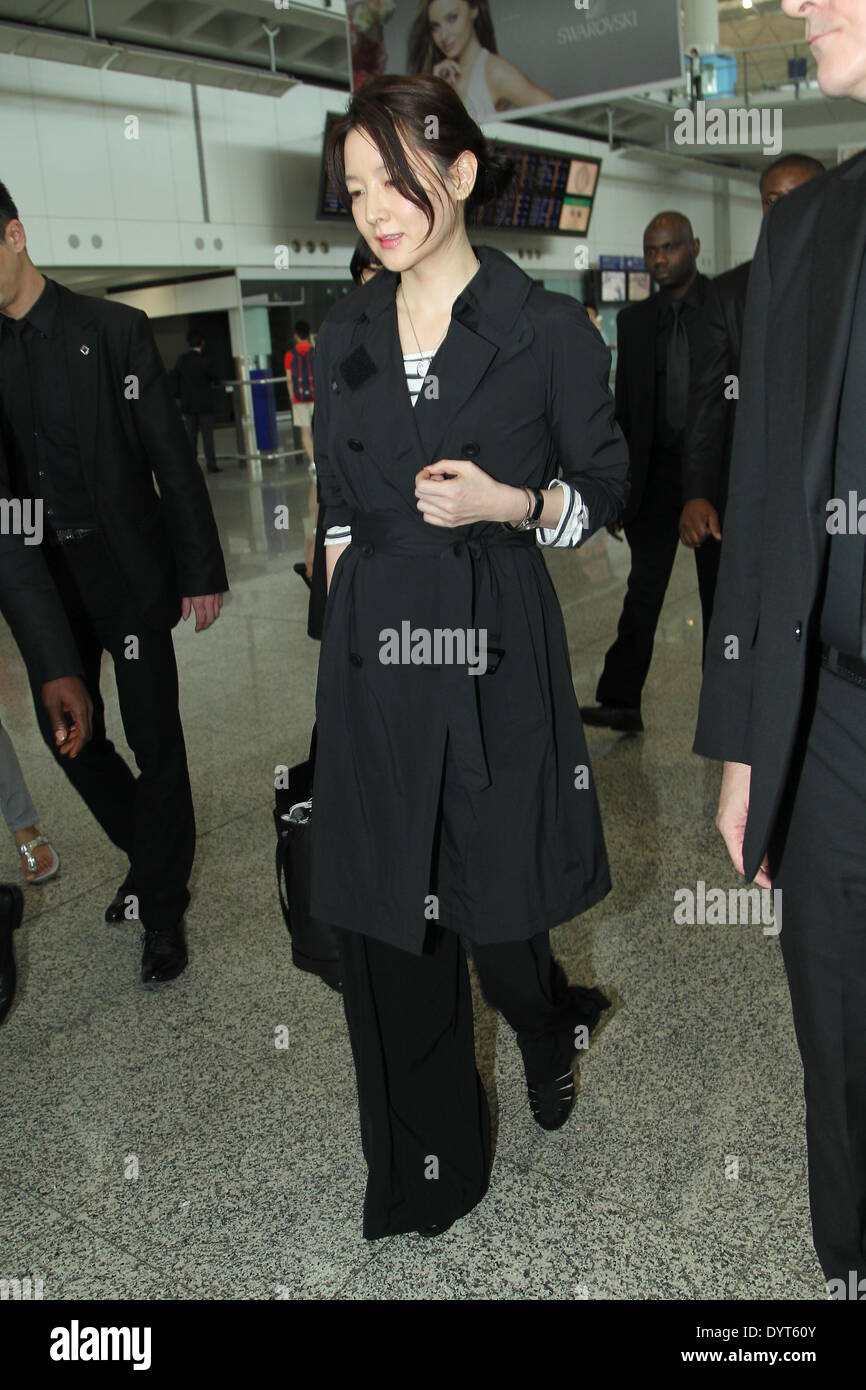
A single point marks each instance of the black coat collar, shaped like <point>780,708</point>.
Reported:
<point>495,294</point>
<point>486,326</point>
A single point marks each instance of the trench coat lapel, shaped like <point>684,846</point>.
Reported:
<point>486,326</point>
<point>373,372</point>
<point>837,253</point>
<point>81,343</point>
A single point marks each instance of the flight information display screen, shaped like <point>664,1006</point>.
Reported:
<point>549,192</point>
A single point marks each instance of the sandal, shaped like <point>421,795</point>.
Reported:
<point>30,865</point>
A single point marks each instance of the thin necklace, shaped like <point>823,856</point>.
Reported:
<point>421,351</point>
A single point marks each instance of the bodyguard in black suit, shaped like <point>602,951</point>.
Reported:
<point>30,604</point>
<point>654,348</point>
<point>87,420</point>
<point>714,391</point>
<point>784,695</point>
<point>194,382</point>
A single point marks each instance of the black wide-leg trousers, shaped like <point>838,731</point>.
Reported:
<point>425,1121</point>
<point>818,859</point>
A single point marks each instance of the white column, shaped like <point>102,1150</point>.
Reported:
<point>700,25</point>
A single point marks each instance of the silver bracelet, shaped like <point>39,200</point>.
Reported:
<point>513,525</point>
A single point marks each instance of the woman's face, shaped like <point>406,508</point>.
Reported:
<point>452,25</point>
<point>392,227</point>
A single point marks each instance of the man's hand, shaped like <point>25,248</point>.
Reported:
<point>698,521</point>
<point>70,710</point>
<point>207,609</point>
<point>731,817</point>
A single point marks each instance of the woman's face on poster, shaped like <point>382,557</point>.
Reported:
<point>452,25</point>
<point>392,226</point>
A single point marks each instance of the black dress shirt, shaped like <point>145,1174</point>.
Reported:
<point>668,435</point>
<point>36,414</point>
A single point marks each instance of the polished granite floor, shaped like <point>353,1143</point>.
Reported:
<point>160,1145</point>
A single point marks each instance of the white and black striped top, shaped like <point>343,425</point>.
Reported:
<point>571,524</point>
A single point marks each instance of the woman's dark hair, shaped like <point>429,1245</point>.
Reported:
<point>431,118</point>
<point>362,259</point>
<point>194,338</point>
<point>422,53</point>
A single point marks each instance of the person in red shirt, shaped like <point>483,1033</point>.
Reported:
<point>299,363</point>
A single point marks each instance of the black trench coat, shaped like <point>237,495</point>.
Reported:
<point>440,795</point>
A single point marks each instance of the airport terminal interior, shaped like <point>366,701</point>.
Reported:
<point>201,1141</point>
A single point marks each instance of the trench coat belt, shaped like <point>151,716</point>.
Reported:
<point>386,533</point>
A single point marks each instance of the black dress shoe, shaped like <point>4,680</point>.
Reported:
<point>214,470</point>
<point>164,955</point>
<point>116,910</point>
<point>620,717</point>
<point>11,912</point>
<point>301,569</point>
<point>551,1102</point>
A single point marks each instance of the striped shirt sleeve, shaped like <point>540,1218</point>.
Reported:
<point>338,535</point>
<point>569,530</point>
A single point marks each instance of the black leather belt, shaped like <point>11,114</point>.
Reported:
<point>850,668</point>
<point>67,535</point>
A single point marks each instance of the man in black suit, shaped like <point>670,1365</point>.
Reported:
<point>654,348</point>
<point>30,604</point>
<point>784,694</point>
<point>714,390</point>
<point>194,380</point>
<point>87,420</point>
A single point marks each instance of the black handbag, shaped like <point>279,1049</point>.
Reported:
<point>314,943</point>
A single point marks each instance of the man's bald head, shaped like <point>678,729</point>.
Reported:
<point>671,251</point>
<point>677,221</point>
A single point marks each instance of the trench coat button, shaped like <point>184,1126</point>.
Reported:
<point>356,658</point>
<point>457,548</point>
<point>798,632</point>
<point>367,548</point>
<point>471,450</point>
<point>335,386</point>
<point>355,444</point>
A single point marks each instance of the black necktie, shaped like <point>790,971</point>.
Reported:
<point>16,406</point>
<point>677,396</point>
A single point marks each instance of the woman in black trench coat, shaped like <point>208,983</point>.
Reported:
<point>454,802</point>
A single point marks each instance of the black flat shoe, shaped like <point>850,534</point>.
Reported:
<point>622,718</point>
<point>301,569</point>
<point>551,1102</point>
<point>116,910</point>
<point>11,913</point>
<point>164,956</point>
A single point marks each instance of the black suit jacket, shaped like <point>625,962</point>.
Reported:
<point>31,606</point>
<point>194,380</point>
<point>795,341</point>
<point>637,326</point>
<point>130,432</point>
<point>712,409</point>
